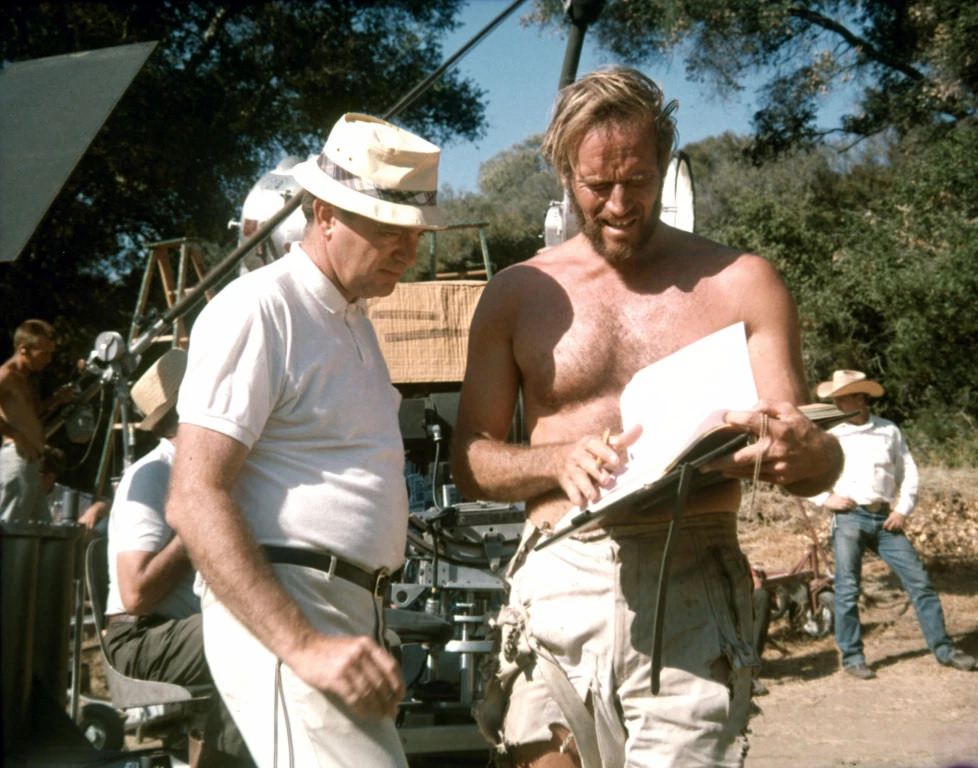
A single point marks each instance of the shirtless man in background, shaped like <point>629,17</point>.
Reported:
<point>570,327</point>
<point>22,496</point>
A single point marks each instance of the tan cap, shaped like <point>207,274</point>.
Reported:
<point>155,392</point>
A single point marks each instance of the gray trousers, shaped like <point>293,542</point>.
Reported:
<point>172,651</point>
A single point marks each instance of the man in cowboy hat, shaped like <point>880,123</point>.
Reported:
<point>152,616</point>
<point>288,486</point>
<point>871,500</point>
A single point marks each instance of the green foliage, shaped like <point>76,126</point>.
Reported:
<point>881,254</point>
<point>515,188</point>
<point>878,245</point>
<point>229,90</point>
<point>914,58</point>
<point>913,263</point>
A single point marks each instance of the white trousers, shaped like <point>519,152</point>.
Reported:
<point>590,605</point>
<point>22,498</point>
<point>304,728</point>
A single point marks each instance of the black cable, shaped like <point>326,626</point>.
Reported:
<point>91,440</point>
<point>470,560</point>
<point>658,618</point>
<point>436,436</point>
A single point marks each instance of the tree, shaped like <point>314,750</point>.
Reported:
<point>914,58</point>
<point>881,254</point>
<point>515,187</point>
<point>230,88</point>
<point>910,267</point>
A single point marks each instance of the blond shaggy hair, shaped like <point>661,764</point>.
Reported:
<point>616,95</point>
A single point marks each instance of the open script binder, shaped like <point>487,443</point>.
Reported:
<point>669,399</point>
<point>680,402</point>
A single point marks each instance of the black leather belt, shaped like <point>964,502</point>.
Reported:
<point>376,582</point>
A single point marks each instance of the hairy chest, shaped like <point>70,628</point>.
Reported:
<point>582,350</point>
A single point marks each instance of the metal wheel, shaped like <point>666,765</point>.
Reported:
<point>822,621</point>
<point>102,726</point>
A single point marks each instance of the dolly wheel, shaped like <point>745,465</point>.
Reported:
<point>102,726</point>
<point>825,616</point>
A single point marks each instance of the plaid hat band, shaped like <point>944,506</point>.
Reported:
<point>364,186</point>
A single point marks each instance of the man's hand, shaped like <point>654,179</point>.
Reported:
<point>63,394</point>
<point>894,522</point>
<point>354,671</point>
<point>95,512</point>
<point>592,463</point>
<point>794,451</point>
<point>838,503</point>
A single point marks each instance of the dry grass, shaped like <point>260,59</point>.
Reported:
<point>943,528</point>
<point>941,481</point>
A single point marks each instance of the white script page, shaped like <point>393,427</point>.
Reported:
<point>677,397</point>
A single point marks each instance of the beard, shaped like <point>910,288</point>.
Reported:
<point>616,253</point>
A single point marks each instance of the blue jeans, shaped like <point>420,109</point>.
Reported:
<point>853,533</point>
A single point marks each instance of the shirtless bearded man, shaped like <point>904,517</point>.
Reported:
<point>569,327</point>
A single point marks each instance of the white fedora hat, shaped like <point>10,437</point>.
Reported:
<point>373,168</point>
<point>155,392</point>
<point>846,382</point>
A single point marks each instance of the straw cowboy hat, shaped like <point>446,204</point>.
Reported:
<point>849,383</point>
<point>155,392</point>
<point>371,167</point>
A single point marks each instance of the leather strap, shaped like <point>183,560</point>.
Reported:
<point>376,583</point>
<point>579,719</point>
<point>658,618</point>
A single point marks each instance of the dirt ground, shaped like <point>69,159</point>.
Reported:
<point>916,713</point>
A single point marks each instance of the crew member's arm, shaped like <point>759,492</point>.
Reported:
<point>355,670</point>
<point>797,454</point>
<point>95,512</point>
<point>837,503</point>
<point>63,394</point>
<point>484,465</point>
<point>907,482</point>
<point>18,415</point>
<point>145,578</point>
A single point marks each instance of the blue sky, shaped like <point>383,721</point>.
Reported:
<point>519,68</point>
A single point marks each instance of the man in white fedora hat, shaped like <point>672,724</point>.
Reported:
<point>288,485</point>
<point>871,500</point>
<point>152,616</point>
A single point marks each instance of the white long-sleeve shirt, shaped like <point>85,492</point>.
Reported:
<point>878,466</point>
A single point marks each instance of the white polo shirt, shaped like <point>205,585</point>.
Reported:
<point>282,363</point>
<point>138,524</point>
